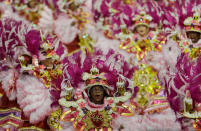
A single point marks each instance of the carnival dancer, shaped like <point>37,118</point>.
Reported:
<point>183,89</point>
<point>191,42</point>
<point>94,92</point>
<point>29,65</point>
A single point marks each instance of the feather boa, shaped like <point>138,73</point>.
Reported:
<point>34,98</point>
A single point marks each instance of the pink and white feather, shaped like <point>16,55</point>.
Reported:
<point>34,98</point>
<point>8,79</point>
<point>64,29</point>
<point>46,21</point>
<point>170,52</point>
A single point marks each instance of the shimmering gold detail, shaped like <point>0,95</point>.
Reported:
<point>196,125</point>
<point>54,119</point>
<point>166,103</point>
<point>127,1</point>
<point>188,105</point>
<point>114,109</point>
<point>69,96</point>
<point>48,75</point>
<point>9,123</point>
<point>142,47</point>
<point>133,106</point>
<point>75,124</point>
<point>82,18</point>
<point>103,117</point>
<point>146,80</point>
<point>31,128</point>
<point>86,42</point>
<point>131,112</point>
<point>13,108</point>
<point>121,86</point>
<point>195,52</point>
<point>82,128</point>
<point>121,91</point>
<point>66,113</point>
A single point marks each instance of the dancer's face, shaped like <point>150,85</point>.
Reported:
<point>97,94</point>
<point>194,36</point>
<point>142,30</point>
<point>32,4</point>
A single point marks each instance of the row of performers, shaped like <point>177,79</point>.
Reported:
<point>47,84</point>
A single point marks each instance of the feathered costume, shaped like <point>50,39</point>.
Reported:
<point>105,71</point>
<point>31,75</point>
<point>184,92</point>
<point>21,68</point>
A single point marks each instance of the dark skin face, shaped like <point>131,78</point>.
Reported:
<point>97,94</point>
<point>194,36</point>
<point>32,4</point>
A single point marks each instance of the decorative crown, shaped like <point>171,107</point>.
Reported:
<point>193,23</point>
<point>94,78</point>
<point>142,19</point>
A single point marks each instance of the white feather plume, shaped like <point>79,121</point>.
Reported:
<point>34,98</point>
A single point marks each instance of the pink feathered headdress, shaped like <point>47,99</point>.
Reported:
<point>110,66</point>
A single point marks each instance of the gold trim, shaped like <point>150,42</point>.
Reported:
<point>8,109</point>
<point>109,129</point>
<point>31,128</point>
<point>160,97</point>
<point>82,128</point>
<point>75,124</point>
<point>64,114</point>
<point>9,123</point>
<point>165,103</point>
<point>133,106</point>
<point>129,109</point>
